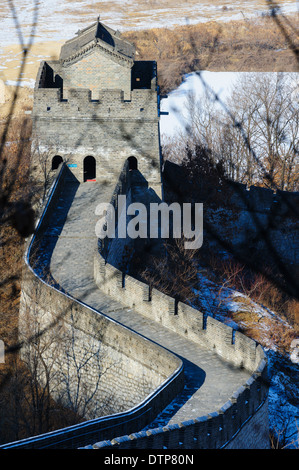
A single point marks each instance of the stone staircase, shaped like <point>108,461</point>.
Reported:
<point>69,246</point>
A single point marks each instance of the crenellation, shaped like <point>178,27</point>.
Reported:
<point>111,104</point>
<point>162,305</point>
<point>133,290</point>
<point>245,349</point>
<point>253,199</point>
<point>78,96</point>
<point>232,345</point>
<point>97,102</point>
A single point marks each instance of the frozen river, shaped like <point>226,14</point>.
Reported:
<point>60,19</point>
<point>54,21</point>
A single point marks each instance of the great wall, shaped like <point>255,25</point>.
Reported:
<point>172,377</point>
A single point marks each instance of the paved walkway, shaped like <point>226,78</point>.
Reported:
<point>70,244</point>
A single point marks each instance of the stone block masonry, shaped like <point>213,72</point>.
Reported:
<point>96,71</point>
<point>95,107</point>
<point>111,130</point>
<point>132,368</point>
<point>179,317</point>
<point>96,101</point>
<point>139,377</point>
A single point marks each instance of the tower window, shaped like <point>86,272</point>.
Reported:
<point>56,160</point>
<point>133,164</point>
<point>89,168</point>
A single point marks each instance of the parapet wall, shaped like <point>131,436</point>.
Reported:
<point>248,222</point>
<point>186,321</point>
<point>111,104</point>
<point>117,251</point>
<point>142,377</point>
<point>258,199</point>
<point>238,195</point>
<point>46,74</point>
<point>217,429</point>
<point>226,428</point>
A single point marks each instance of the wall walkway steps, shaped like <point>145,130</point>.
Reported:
<point>217,398</point>
<point>210,381</point>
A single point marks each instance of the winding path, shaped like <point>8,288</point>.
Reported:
<point>69,246</point>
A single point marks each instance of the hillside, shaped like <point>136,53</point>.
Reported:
<point>242,45</point>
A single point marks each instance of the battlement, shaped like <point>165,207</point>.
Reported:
<point>259,199</point>
<point>237,195</point>
<point>231,345</point>
<point>100,112</point>
<point>47,75</point>
<point>96,106</point>
<point>95,73</point>
<point>49,102</point>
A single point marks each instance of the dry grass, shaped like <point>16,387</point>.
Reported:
<point>269,331</point>
<point>251,45</point>
<point>279,324</point>
<point>14,170</point>
<point>23,103</point>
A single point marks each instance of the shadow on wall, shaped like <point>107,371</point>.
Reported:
<point>248,223</point>
<point>46,239</point>
<point>119,251</point>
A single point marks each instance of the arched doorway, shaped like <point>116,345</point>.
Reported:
<point>89,168</point>
<point>56,160</point>
<point>133,163</point>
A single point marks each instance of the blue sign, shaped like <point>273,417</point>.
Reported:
<point>72,165</point>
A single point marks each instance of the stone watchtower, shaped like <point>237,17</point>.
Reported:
<point>96,107</point>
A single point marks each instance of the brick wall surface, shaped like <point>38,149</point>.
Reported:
<point>120,123</point>
<point>88,108</point>
<point>226,427</point>
<point>96,71</point>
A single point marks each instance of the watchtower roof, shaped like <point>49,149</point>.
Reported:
<point>97,34</point>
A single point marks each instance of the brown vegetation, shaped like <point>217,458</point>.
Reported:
<point>247,45</point>
<point>22,104</point>
<point>279,329</point>
<point>25,407</point>
<point>15,193</point>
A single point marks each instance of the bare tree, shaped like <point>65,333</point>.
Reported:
<point>82,367</point>
<point>39,353</point>
<point>262,106</point>
<point>16,212</point>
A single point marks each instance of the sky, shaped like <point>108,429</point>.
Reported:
<point>198,83</point>
<point>219,82</point>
